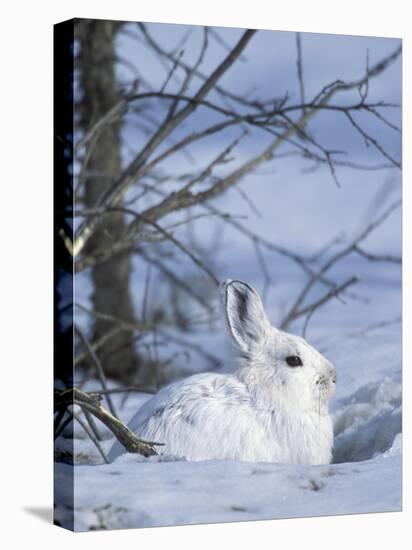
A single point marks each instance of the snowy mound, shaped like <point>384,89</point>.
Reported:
<point>369,423</point>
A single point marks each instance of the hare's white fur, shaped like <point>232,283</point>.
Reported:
<point>262,409</point>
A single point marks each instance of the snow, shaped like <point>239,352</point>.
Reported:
<point>135,491</point>
<point>145,493</point>
<point>172,493</point>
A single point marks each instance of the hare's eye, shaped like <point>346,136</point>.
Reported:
<point>294,361</point>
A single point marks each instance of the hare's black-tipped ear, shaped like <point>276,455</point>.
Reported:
<point>245,315</point>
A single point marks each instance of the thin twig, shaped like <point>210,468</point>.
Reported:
<point>306,323</point>
<point>113,114</point>
<point>90,434</point>
<point>93,425</point>
<point>172,70</point>
<point>377,257</point>
<point>299,64</point>
<point>370,140</point>
<point>377,326</point>
<point>146,293</point>
<point>98,344</point>
<point>62,426</point>
<point>332,294</point>
<point>98,365</point>
<point>57,420</point>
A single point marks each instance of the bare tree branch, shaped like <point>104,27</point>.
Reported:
<point>114,194</point>
<point>334,259</point>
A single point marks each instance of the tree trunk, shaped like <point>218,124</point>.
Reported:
<point>99,92</point>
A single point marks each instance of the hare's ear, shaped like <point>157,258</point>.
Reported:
<point>245,315</point>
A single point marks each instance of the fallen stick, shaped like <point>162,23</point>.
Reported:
<point>90,402</point>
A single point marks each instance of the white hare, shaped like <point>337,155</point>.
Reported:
<point>272,406</point>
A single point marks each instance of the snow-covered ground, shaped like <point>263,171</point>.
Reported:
<point>365,476</point>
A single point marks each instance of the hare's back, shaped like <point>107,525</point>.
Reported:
<point>205,416</point>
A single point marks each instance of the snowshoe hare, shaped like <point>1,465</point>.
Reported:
<point>272,406</point>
